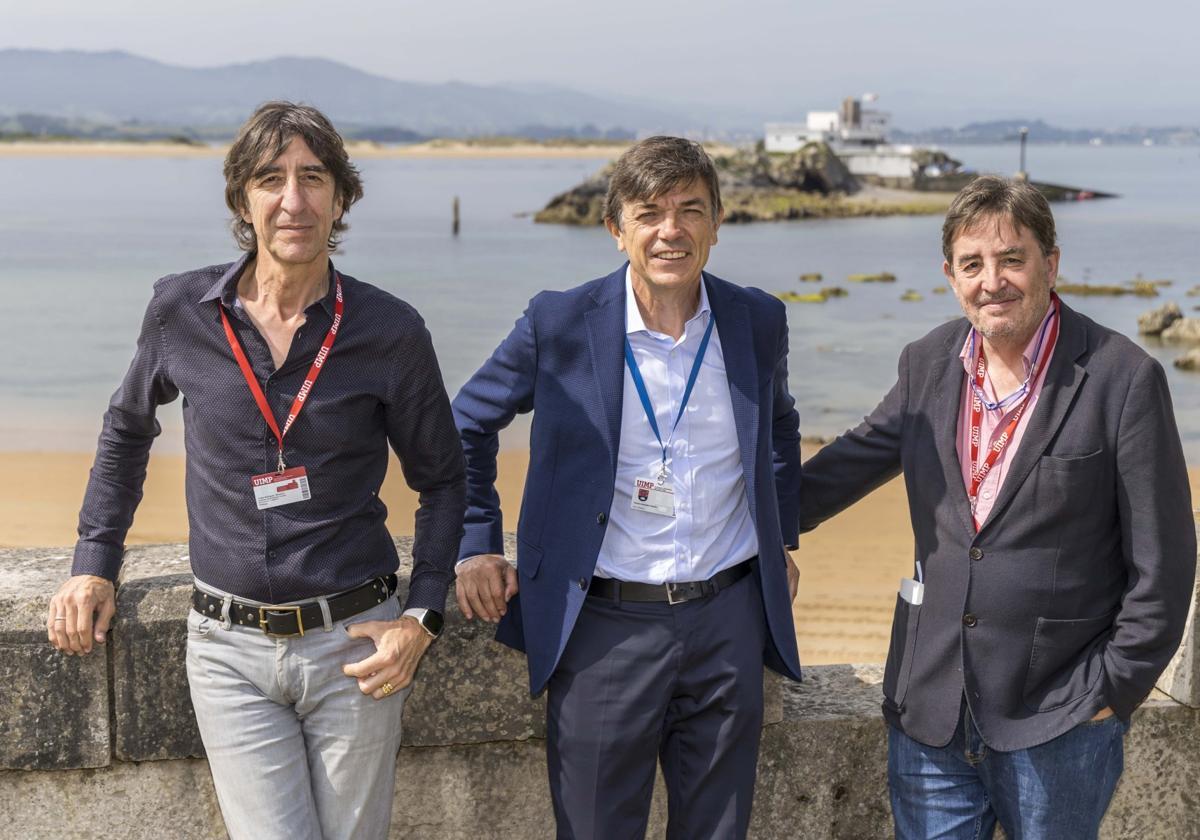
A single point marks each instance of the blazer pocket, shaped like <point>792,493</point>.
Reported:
<point>529,559</point>
<point>1072,463</point>
<point>1065,662</point>
<point>898,671</point>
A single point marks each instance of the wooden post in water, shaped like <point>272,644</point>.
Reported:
<point>454,227</point>
<point>1022,175</point>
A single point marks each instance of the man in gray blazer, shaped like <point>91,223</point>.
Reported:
<point>1055,545</point>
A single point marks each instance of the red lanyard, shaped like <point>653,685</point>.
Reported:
<point>309,380</point>
<point>980,471</point>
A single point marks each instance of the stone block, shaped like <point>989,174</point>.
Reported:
<point>1181,679</point>
<point>1156,797</point>
<point>153,717</point>
<point>822,772</point>
<point>54,708</point>
<point>158,800</point>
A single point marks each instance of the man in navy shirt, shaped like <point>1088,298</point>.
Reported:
<point>296,378</point>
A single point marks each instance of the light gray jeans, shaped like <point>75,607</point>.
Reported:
<point>297,752</point>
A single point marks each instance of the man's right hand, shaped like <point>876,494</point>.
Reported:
<point>80,613</point>
<point>485,583</point>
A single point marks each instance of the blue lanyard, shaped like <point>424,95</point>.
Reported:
<point>640,384</point>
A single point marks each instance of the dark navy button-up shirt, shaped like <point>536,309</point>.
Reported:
<point>381,385</point>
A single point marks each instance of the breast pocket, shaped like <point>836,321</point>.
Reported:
<point>1067,484</point>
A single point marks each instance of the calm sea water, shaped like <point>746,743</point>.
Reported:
<point>82,240</point>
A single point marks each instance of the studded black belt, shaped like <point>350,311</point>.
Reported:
<point>295,619</point>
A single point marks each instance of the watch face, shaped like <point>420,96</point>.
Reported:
<point>433,622</point>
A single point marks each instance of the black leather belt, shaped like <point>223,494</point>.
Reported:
<point>295,619</point>
<point>670,593</point>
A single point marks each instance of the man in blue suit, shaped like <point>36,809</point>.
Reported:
<point>664,476</point>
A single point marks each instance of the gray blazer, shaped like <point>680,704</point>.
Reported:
<point>1074,593</point>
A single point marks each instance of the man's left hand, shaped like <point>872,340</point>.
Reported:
<point>399,646</point>
<point>793,578</point>
<point>1106,712</point>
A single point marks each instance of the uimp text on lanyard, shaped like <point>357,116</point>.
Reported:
<point>1041,353</point>
<point>284,486</point>
<point>656,495</point>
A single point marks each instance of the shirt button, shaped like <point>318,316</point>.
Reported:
<point>976,553</point>
<point>271,554</point>
<point>583,584</point>
<point>970,620</point>
<point>987,494</point>
<point>601,518</point>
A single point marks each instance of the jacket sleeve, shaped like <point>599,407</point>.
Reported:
<point>785,446</point>
<point>487,403</point>
<point>1158,541</point>
<point>859,460</point>
<point>114,486</point>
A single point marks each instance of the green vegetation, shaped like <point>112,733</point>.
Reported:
<point>811,277</point>
<point>813,297</point>
<point>912,296</point>
<point>881,277</point>
<point>1137,288</point>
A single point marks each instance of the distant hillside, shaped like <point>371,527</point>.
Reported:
<point>113,88</point>
<point>1003,131</point>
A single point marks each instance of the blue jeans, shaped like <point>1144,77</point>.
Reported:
<point>1058,790</point>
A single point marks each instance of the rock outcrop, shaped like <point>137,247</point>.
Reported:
<point>1184,330</point>
<point>1157,320</point>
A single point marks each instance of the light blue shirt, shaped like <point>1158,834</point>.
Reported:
<point>712,529</point>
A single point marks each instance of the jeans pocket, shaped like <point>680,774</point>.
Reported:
<point>200,626</point>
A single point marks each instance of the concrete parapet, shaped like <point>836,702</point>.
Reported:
<point>108,741</point>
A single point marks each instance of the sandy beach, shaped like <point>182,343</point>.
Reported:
<point>849,567</point>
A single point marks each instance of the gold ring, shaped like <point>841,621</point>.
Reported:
<point>60,618</point>
<point>387,688</point>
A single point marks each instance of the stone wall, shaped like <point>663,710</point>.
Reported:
<point>108,742</point>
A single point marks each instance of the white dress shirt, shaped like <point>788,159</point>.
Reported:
<point>712,529</point>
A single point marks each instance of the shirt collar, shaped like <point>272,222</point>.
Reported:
<point>225,288</point>
<point>969,359</point>
<point>633,316</point>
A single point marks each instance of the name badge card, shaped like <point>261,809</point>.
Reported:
<point>281,488</point>
<point>651,497</point>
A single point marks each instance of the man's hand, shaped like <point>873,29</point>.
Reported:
<point>1106,712</point>
<point>485,583</point>
<point>399,646</point>
<point>80,613</point>
<point>793,578</point>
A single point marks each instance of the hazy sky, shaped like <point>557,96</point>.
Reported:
<point>932,62</point>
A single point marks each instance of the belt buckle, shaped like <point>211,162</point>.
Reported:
<point>672,599</point>
<point>265,627</point>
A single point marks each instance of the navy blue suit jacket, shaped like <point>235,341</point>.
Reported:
<point>564,361</point>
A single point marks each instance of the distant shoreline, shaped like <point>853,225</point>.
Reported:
<point>430,149</point>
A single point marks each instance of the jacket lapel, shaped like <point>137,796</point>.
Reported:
<point>951,379</point>
<point>605,325</point>
<point>1058,392</point>
<point>741,369</point>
